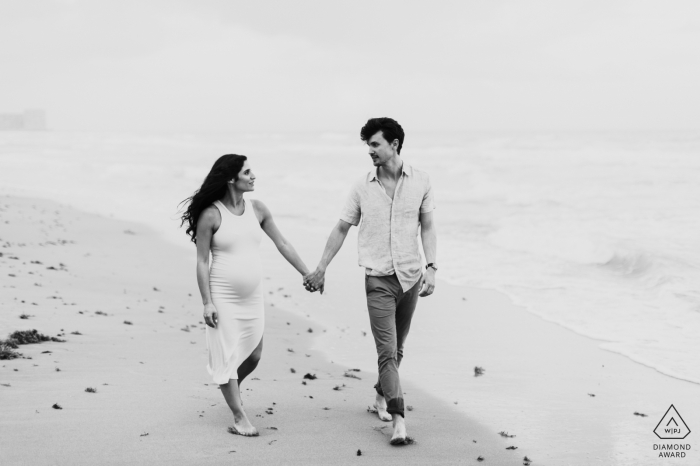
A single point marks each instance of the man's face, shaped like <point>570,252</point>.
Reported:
<point>380,149</point>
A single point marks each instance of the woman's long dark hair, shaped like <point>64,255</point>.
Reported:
<point>214,188</point>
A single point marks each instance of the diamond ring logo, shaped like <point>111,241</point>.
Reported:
<point>672,426</point>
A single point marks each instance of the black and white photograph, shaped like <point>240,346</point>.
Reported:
<point>381,232</point>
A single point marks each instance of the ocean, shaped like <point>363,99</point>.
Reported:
<point>596,232</point>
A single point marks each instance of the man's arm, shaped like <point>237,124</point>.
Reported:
<point>316,279</point>
<point>428,236</point>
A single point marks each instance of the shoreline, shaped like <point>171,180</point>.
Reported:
<point>540,396</point>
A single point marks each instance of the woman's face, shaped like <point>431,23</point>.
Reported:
<point>246,179</point>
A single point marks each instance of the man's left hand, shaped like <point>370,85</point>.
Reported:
<point>427,285</point>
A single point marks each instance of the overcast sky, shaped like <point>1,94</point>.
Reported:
<point>327,65</point>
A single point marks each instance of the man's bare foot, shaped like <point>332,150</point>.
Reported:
<point>380,406</point>
<point>399,436</point>
<point>242,426</point>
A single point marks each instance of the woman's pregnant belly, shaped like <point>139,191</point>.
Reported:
<point>235,278</point>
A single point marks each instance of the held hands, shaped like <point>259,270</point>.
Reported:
<point>315,281</point>
<point>427,285</point>
<point>211,316</point>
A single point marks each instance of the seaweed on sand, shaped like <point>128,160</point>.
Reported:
<point>25,337</point>
<point>7,350</point>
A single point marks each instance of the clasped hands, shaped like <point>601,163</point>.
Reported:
<point>315,281</point>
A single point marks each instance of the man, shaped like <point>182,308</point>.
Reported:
<point>393,201</point>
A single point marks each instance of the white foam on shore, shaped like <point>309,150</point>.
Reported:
<point>596,232</point>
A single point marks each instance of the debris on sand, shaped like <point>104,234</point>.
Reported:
<point>25,316</point>
<point>127,322</point>
<point>310,330</point>
<point>292,370</point>
<point>512,447</point>
<point>526,461</point>
<point>310,376</point>
<point>25,337</point>
<point>56,406</point>
<point>371,410</point>
<point>75,333</point>
<point>505,434</point>
<point>7,350</point>
<point>591,394</point>
<point>290,350</point>
<point>351,375</point>
<point>359,452</point>
<point>338,387</point>
<point>409,408</point>
<point>145,434</point>
<point>640,414</point>
<point>480,458</point>
<point>91,390</point>
<point>478,371</point>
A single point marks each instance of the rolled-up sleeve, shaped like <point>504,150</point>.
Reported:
<point>351,211</point>
<point>428,204</point>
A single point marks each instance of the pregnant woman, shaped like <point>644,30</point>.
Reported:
<point>222,222</point>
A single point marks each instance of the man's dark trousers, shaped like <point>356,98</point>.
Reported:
<point>390,313</point>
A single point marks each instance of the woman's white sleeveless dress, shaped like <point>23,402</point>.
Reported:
<point>235,282</point>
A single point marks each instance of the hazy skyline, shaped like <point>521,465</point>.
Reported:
<point>315,65</point>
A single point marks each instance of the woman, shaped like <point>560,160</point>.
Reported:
<point>222,222</point>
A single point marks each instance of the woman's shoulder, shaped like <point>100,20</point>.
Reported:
<point>211,215</point>
<point>260,209</point>
<point>258,204</point>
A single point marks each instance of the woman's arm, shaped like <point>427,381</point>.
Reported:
<point>207,224</point>
<point>267,223</point>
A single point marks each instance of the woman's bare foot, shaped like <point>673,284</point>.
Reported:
<point>242,426</point>
<point>399,436</point>
<point>380,406</point>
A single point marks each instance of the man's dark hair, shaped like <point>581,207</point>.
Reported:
<point>389,127</point>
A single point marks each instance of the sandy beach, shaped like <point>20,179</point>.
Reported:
<point>141,346</point>
<point>127,305</point>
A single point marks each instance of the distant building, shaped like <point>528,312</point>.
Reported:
<point>30,120</point>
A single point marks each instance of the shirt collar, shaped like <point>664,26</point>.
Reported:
<point>406,169</point>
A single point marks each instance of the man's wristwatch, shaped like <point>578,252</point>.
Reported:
<point>431,265</point>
